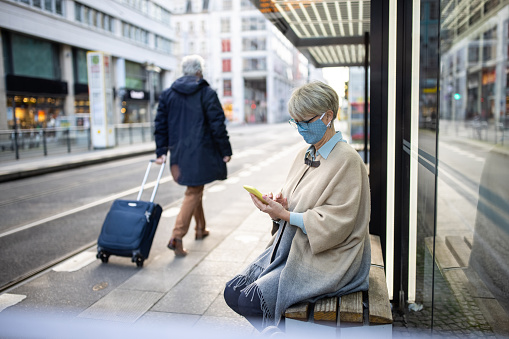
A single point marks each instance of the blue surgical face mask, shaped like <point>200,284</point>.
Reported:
<point>314,131</point>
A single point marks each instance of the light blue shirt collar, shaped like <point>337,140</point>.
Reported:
<point>325,150</point>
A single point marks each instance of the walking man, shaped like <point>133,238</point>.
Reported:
<point>190,123</point>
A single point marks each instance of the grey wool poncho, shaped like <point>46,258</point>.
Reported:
<point>333,259</point>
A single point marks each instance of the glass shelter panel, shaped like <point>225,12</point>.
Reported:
<point>462,190</point>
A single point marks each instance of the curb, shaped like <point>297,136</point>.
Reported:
<point>21,174</point>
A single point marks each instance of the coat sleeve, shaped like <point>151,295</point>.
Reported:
<point>341,215</point>
<point>161,127</point>
<point>215,116</point>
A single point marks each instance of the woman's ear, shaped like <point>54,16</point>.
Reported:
<point>330,116</point>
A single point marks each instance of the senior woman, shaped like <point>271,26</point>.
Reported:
<point>322,246</point>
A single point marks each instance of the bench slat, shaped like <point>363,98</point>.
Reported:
<point>326,310</point>
<point>298,312</point>
<point>379,305</point>
<point>350,308</point>
<point>376,251</point>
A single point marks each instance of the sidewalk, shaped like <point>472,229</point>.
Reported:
<point>169,296</point>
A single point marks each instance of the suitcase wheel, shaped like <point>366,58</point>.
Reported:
<point>103,256</point>
<point>138,259</point>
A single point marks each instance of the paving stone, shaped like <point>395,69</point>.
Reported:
<point>226,255</point>
<point>165,274</point>
<point>166,321</point>
<point>219,268</point>
<point>188,303</point>
<point>219,308</point>
<point>229,327</point>
<point>122,305</point>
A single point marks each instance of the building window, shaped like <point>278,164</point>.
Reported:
<point>53,6</point>
<point>225,25</point>
<point>246,5</point>
<point>227,5</point>
<point>32,57</point>
<point>93,18</point>
<point>253,24</point>
<point>203,26</point>
<point>227,87</point>
<point>254,64</point>
<point>80,66</point>
<point>162,44</point>
<point>227,65</point>
<point>225,45</point>
<point>135,76</point>
<point>191,27</point>
<point>134,33</point>
<point>254,44</point>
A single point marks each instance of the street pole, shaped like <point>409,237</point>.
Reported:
<point>15,127</point>
<point>151,97</point>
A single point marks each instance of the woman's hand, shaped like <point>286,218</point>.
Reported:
<point>276,210</point>
<point>279,198</point>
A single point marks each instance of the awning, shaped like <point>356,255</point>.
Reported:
<point>328,32</point>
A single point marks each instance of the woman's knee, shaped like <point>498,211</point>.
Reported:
<point>231,297</point>
<point>249,305</point>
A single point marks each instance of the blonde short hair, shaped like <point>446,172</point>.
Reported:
<point>313,99</point>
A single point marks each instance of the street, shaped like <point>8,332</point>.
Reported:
<point>46,219</point>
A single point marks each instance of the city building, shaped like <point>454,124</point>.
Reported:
<point>44,49</point>
<point>250,64</point>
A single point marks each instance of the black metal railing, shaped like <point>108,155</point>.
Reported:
<point>29,143</point>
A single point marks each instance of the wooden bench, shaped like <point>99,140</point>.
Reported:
<point>360,314</point>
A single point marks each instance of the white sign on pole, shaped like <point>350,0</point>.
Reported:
<point>101,100</point>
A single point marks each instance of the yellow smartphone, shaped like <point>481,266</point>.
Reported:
<point>253,190</point>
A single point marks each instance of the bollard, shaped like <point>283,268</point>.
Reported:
<point>142,133</point>
<point>68,140</point>
<point>44,146</point>
<point>130,134</point>
<point>89,136</point>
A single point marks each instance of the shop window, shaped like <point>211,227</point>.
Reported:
<point>135,76</point>
<point>225,44</point>
<point>34,57</point>
<point>227,65</point>
<point>227,87</point>
<point>80,66</point>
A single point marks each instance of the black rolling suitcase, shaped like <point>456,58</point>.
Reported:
<point>130,225</point>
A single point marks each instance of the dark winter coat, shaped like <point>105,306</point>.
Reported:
<point>190,123</point>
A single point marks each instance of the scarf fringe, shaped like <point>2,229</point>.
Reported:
<point>267,315</point>
<point>247,278</point>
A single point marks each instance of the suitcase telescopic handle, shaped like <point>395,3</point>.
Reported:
<point>145,180</point>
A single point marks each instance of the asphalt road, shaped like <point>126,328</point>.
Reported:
<point>50,217</point>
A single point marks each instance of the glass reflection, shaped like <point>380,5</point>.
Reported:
<point>472,222</point>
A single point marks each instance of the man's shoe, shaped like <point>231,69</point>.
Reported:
<point>200,234</point>
<point>176,246</point>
